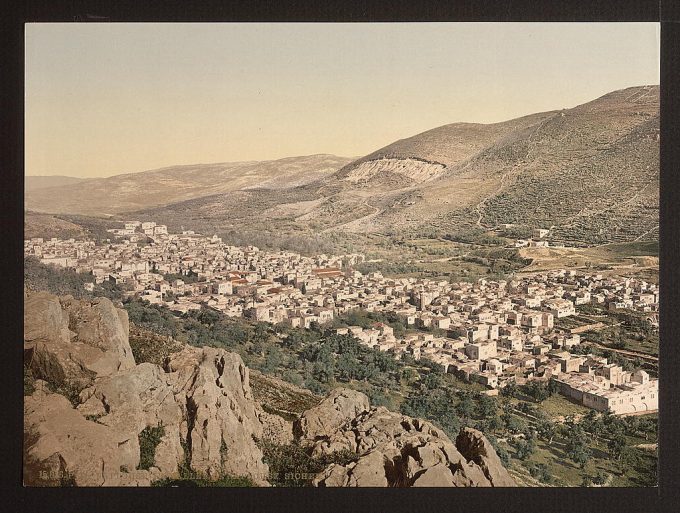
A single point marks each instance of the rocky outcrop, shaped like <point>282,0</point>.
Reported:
<point>44,319</point>
<point>202,400</point>
<point>212,388</point>
<point>397,450</point>
<point>136,399</point>
<point>475,447</point>
<point>61,446</point>
<point>200,397</point>
<point>340,406</point>
<point>74,342</point>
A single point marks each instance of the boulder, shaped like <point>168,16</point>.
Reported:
<point>44,319</point>
<point>474,446</point>
<point>323,420</point>
<point>133,400</point>
<point>99,324</point>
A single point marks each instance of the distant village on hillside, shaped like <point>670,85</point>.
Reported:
<point>492,332</point>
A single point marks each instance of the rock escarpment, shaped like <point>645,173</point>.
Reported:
<point>394,449</point>
<point>409,170</point>
<point>201,399</point>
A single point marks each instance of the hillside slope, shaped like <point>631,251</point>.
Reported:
<point>590,172</point>
<point>123,193</point>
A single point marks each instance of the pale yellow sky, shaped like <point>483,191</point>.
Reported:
<point>104,99</point>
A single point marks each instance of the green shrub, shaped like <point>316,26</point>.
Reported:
<point>149,439</point>
<point>291,465</point>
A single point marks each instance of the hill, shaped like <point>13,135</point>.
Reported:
<point>34,183</point>
<point>47,226</point>
<point>133,191</point>
<point>591,173</point>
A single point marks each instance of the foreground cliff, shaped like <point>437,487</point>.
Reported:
<point>93,410</point>
<point>200,401</point>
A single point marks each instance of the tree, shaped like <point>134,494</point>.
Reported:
<point>487,407</point>
<point>553,386</point>
<point>347,366</point>
<point>272,360</point>
<point>509,390</point>
<point>600,478</point>
<point>513,424</point>
<point>432,381</point>
<point>577,448</point>
<point>541,472</point>
<point>494,423</point>
<point>546,430</point>
<point>616,445</point>
<point>524,448</point>
<point>465,407</point>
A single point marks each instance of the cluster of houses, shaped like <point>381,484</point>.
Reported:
<point>493,332</point>
<point>538,239</point>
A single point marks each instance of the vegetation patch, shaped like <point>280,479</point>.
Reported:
<point>291,465</point>
<point>149,439</point>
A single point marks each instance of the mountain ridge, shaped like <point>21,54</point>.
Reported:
<point>551,169</point>
<point>156,187</point>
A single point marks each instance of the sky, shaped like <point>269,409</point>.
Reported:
<point>105,99</point>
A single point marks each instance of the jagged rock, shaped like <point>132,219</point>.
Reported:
<point>61,445</point>
<point>475,447</point>
<point>437,475</point>
<point>203,398</point>
<point>44,319</point>
<point>212,388</point>
<point>340,406</point>
<point>101,325</point>
<point>133,400</point>
<point>397,450</point>
<point>74,341</point>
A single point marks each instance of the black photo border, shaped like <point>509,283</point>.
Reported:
<point>573,500</point>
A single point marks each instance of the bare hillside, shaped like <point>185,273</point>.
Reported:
<point>123,193</point>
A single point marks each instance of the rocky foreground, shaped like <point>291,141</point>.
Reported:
<point>91,402</point>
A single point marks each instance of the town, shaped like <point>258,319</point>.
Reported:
<point>491,332</point>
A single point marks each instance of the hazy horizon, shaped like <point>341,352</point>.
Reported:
<point>109,99</point>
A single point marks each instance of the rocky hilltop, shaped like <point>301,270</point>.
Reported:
<point>91,409</point>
